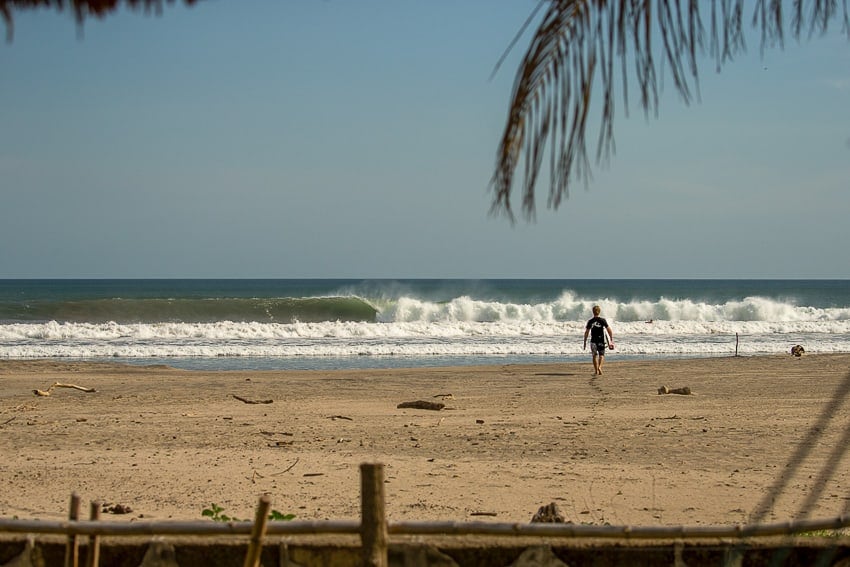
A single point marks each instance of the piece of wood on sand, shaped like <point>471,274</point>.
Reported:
<point>247,401</point>
<point>422,404</point>
<point>684,391</point>
<point>55,385</point>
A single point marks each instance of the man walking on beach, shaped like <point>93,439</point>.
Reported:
<point>596,328</point>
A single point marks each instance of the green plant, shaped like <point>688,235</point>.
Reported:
<point>216,514</point>
<point>276,516</point>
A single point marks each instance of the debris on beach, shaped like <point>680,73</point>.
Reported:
<point>247,401</point>
<point>116,509</point>
<point>684,391</point>
<point>422,404</point>
<point>548,514</point>
<point>798,350</point>
<point>47,392</point>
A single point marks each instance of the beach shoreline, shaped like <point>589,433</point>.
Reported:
<point>759,440</point>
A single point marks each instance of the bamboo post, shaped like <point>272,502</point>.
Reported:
<point>72,549</point>
<point>93,556</point>
<point>261,519</point>
<point>373,523</point>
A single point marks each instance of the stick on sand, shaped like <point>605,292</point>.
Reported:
<point>48,391</point>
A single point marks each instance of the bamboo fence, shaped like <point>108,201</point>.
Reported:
<point>374,529</point>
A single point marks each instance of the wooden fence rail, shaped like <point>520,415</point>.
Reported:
<point>374,529</point>
<point>353,527</point>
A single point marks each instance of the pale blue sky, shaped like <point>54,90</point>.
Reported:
<point>343,138</point>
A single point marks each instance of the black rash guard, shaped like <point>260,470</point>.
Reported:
<point>597,326</point>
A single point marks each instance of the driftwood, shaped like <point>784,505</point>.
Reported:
<point>548,514</point>
<point>685,391</point>
<point>247,401</point>
<point>289,468</point>
<point>422,404</point>
<point>48,391</point>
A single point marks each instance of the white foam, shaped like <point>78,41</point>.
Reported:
<point>460,327</point>
<point>570,308</point>
<point>524,336</point>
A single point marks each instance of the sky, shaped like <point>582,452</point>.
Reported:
<point>357,139</point>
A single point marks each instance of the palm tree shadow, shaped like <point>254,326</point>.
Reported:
<point>831,411</point>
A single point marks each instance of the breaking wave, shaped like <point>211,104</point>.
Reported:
<point>280,310</point>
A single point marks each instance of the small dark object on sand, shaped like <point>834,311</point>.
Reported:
<point>683,391</point>
<point>548,514</point>
<point>422,404</point>
<point>117,509</point>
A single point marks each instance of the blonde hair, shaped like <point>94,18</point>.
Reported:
<point>597,310</point>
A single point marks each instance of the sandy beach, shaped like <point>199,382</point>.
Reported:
<point>759,439</point>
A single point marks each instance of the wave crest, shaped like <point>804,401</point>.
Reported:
<point>570,308</point>
<point>272,310</point>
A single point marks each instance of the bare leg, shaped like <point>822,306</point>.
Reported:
<point>599,366</point>
<point>596,364</point>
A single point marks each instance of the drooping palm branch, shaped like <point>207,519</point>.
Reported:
<point>581,43</point>
<point>81,8</point>
<point>577,44</point>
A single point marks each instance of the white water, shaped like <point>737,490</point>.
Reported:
<point>568,307</point>
<point>416,339</point>
<point>462,329</point>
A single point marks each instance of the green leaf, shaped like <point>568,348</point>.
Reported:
<point>280,517</point>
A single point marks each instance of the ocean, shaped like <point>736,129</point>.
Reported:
<point>352,323</point>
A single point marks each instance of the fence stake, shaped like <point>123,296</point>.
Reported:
<point>72,550</point>
<point>93,557</point>
<point>373,522</point>
<point>255,548</point>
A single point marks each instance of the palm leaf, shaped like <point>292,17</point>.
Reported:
<point>580,44</point>
<point>82,8</point>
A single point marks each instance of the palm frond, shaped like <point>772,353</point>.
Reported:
<point>82,8</point>
<point>579,43</point>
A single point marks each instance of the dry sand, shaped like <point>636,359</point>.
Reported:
<point>760,439</point>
